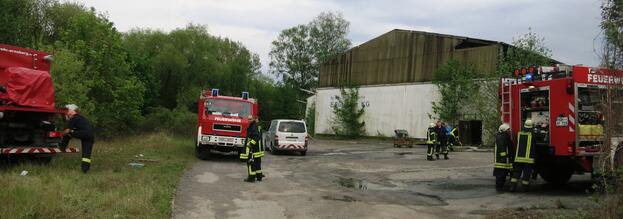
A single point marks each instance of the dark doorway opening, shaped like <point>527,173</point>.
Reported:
<point>470,132</point>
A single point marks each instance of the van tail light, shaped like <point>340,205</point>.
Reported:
<point>55,134</point>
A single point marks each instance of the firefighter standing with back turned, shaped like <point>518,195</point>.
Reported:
<point>79,127</point>
<point>524,157</point>
<point>431,141</point>
<point>442,140</point>
<point>254,151</point>
<point>504,154</point>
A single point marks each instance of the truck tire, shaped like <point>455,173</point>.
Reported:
<point>202,152</point>
<point>303,153</point>
<point>556,175</point>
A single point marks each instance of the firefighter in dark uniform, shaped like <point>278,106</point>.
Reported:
<point>442,141</point>
<point>504,155</point>
<point>253,152</point>
<point>524,157</point>
<point>79,127</point>
<point>431,141</point>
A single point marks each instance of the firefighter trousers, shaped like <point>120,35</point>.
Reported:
<point>441,148</point>
<point>254,169</point>
<point>87,148</point>
<point>430,151</point>
<point>521,171</point>
<point>500,177</point>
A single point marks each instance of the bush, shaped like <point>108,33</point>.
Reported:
<point>348,113</point>
<point>178,121</point>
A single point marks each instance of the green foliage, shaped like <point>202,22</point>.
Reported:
<point>348,113</point>
<point>298,51</point>
<point>457,85</point>
<point>527,50</point>
<point>178,121</point>
<point>612,26</point>
<point>120,79</point>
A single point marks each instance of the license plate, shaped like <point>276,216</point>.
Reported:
<point>226,140</point>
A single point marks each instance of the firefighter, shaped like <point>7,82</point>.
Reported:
<point>503,155</point>
<point>79,127</point>
<point>253,152</point>
<point>524,157</point>
<point>431,141</point>
<point>454,139</point>
<point>442,140</point>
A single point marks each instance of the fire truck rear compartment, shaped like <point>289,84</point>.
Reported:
<point>21,128</point>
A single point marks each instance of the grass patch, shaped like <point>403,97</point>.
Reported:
<point>112,189</point>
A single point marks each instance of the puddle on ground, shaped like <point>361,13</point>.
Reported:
<point>402,153</point>
<point>459,187</point>
<point>353,183</point>
<point>344,198</point>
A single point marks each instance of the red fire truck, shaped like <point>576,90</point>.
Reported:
<point>565,103</point>
<point>27,111</point>
<point>222,122</point>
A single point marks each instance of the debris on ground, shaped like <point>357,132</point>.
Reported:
<point>137,165</point>
<point>23,173</point>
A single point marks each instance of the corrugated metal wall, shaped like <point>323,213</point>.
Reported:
<point>402,56</point>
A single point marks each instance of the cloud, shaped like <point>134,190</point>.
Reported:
<point>569,26</point>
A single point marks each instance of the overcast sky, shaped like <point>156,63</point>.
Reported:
<point>570,27</point>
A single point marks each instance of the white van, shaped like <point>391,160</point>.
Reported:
<point>286,135</point>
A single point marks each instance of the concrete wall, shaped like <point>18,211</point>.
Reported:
<point>400,106</point>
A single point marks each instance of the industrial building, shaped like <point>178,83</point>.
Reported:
<point>394,73</point>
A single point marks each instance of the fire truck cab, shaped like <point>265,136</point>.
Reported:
<point>566,105</point>
<point>222,122</point>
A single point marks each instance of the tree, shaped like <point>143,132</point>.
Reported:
<point>348,113</point>
<point>298,51</point>
<point>456,84</point>
<point>612,26</point>
<point>526,50</point>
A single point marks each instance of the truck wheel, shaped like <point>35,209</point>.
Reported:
<point>202,152</point>
<point>303,153</point>
<point>556,175</point>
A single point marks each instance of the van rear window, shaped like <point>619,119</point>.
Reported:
<point>294,127</point>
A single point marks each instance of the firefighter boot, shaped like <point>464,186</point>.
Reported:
<point>437,156</point>
<point>429,158</point>
<point>513,187</point>
<point>525,185</point>
<point>445,156</point>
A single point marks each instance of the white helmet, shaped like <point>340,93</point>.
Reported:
<point>72,107</point>
<point>504,127</point>
<point>431,125</point>
<point>528,124</point>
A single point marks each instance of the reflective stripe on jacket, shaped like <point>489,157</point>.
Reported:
<point>524,153</point>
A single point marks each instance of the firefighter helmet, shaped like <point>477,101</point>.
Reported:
<point>504,127</point>
<point>528,124</point>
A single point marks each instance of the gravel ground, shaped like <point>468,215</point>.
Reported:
<point>366,179</point>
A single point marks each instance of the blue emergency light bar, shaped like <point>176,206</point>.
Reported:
<point>215,92</point>
<point>245,95</point>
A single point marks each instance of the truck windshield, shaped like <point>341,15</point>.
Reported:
<point>228,107</point>
<point>293,127</point>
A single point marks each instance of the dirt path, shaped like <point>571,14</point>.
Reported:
<point>345,179</point>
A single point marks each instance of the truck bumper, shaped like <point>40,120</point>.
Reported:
<point>222,141</point>
<point>36,150</point>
